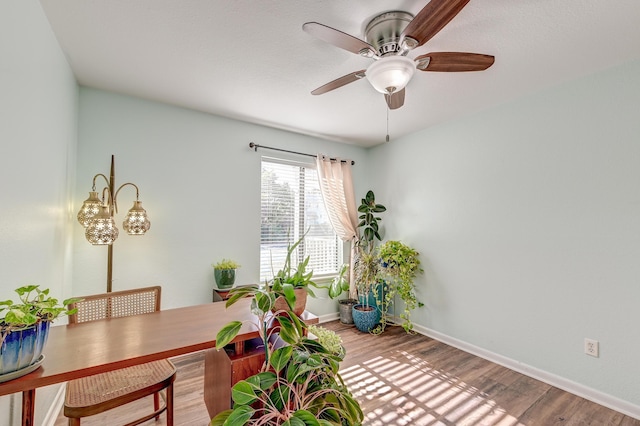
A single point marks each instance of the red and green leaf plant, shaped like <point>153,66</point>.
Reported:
<point>298,384</point>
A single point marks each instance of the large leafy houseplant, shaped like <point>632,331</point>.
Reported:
<point>369,221</point>
<point>34,306</point>
<point>366,263</point>
<point>293,281</point>
<point>298,384</point>
<point>24,327</point>
<point>400,266</point>
<point>290,276</point>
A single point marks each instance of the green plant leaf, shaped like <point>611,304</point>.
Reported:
<point>289,294</point>
<point>281,357</point>
<point>264,302</point>
<point>243,392</point>
<point>227,334</point>
<point>279,397</point>
<point>370,197</point>
<point>220,418</point>
<point>238,293</point>
<point>239,416</point>
<point>306,417</point>
<point>265,380</point>
<point>288,331</point>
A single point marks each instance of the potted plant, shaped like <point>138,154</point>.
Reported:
<point>339,284</point>
<point>298,383</point>
<point>295,282</point>
<point>366,264</point>
<point>225,273</point>
<point>329,339</point>
<point>24,328</point>
<point>366,314</point>
<point>400,266</point>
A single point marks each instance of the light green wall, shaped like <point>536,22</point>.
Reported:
<point>38,124</point>
<point>526,214</point>
<point>200,184</point>
<point>527,217</point>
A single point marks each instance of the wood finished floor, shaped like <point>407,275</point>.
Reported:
<point>402,379</point>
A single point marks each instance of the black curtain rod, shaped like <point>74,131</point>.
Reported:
<point>255,147</point>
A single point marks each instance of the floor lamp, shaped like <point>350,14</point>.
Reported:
<point>96,215</point>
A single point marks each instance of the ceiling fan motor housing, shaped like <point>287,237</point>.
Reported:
<point>383,32</point>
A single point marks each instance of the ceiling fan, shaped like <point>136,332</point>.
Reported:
<point>389,37</point>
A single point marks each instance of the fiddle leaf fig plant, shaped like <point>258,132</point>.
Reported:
<point>369,221</point>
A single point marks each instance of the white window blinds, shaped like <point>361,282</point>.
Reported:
<point>291,204</point>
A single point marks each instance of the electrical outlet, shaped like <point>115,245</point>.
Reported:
<point>591,347</point>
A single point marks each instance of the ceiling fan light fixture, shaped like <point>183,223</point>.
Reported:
<point>391,73</point>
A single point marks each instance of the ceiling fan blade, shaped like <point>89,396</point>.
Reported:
<point>454,61</point>
<point>339,39</point>
<point>431,19</point>
<point>395,100</point>
<point>339,82</point>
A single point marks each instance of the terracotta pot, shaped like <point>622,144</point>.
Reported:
<point>300,305</point>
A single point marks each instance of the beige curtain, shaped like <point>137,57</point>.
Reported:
<point>336,185</point>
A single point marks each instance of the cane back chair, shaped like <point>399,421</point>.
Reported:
<point>101,392</point>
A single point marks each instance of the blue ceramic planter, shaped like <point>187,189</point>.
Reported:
<point>365,321</point>
<point>21,348</point>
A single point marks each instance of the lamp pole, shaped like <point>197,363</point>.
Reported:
<point>112,185</point>
<point>96,215</point>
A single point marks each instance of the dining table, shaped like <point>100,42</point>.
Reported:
<point>78,350</point>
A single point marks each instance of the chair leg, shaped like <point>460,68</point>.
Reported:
<point>156,403</point>
<point>169,403</point>
<point>74,422</point>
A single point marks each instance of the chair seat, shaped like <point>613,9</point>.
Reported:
<point>94,394</point>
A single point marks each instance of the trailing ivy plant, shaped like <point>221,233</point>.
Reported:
<point>298,384</point>
<point>400,266</point>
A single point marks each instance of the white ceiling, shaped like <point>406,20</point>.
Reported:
<point>250,60</point>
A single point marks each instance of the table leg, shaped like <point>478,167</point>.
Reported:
<point>28,407</point>
<point>217,381</point>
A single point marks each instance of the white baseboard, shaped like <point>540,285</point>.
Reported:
<point>54,410</point>
<point>582,391</point>
<point>329,317</point>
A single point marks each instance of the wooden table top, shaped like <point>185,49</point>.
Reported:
<point>79,350</point>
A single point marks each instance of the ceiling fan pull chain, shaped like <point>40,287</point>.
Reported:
<point>387,139</point>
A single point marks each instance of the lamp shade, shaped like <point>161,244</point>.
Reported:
<point>90,208</point>
<point>390,74</point>
<point>102,229</point>
<point>136,222</point>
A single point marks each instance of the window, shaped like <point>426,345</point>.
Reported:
<point>291,204</point>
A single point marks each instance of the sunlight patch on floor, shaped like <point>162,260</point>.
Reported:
<point>411,392</point>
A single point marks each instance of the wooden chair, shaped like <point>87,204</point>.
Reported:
<point>101,392</point>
